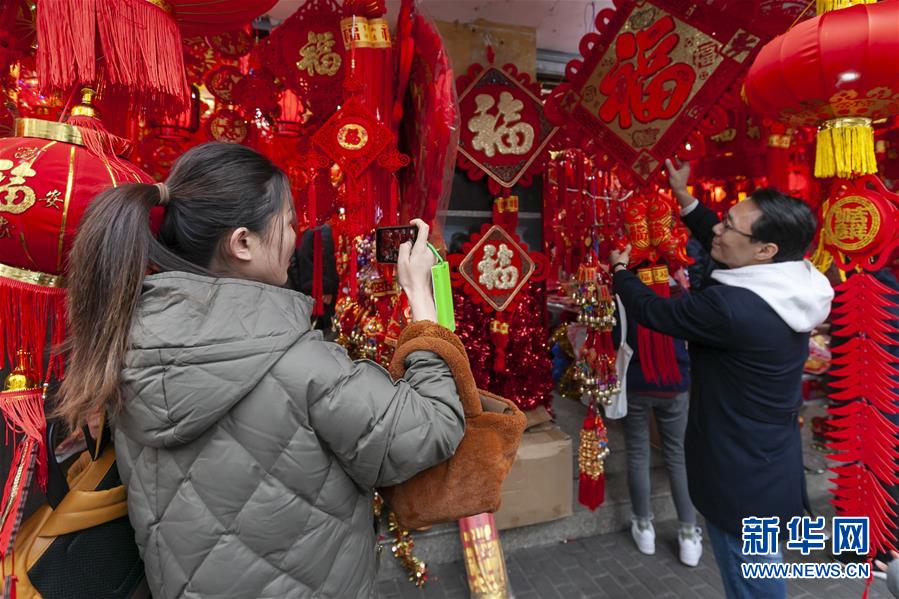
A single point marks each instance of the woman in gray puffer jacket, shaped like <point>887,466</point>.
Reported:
<point>249,447</point>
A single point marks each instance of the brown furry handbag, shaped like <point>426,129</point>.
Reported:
<point>471,481</point>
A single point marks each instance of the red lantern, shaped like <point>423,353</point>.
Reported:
<point>292,115</point>
<point>181,127</point>
<point>47,179</point>
<point>839,71</point>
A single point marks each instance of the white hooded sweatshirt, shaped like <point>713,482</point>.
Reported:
<point>799,294</point>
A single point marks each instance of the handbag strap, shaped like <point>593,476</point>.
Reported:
<point>430,337</point>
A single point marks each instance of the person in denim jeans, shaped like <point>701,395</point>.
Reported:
<point>669,402</point>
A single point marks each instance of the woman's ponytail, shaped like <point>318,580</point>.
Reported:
<point>107,264</point>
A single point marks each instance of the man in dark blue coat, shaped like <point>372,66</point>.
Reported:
<point>747,331</point>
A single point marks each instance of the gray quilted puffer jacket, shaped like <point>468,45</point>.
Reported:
<point>249,447</point>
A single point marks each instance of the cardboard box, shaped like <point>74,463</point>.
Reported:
<point>539,488</point>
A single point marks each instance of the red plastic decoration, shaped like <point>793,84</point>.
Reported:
<point>864,374</point>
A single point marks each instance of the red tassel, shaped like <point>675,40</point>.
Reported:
<point>139,43</point>
<point>27,312</point>
<point>591,493</point>
<point>658,360</point>
<point>317,274</point>
<point>499,335</point>
<point>592,480</point>
<point>66,44</point>
<point>351,277</point>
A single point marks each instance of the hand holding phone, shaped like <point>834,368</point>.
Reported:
<point>388,241</point>
<point>413,273</point>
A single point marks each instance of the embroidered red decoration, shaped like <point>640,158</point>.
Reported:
<point>504,131</point>
<point>495,267</point>
<point>859,224</point>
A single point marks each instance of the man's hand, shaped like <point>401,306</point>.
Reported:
<point>619,260</point>
<point>677,179</point>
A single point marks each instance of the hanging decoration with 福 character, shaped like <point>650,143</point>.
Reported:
<point>49,172</point>
<point>504,131</point>
<point>649,76</point>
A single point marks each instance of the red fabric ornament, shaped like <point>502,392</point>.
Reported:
<point>232,44</point>
<point>495,268</point>
<point>291,115</point>
<point>305,52</point>
<point>221,82</point>
<point>49,173</point>
<point>503,129</point>
<point>258,90</point>
<point>649,76</point>
<point>45,186</point>
<point>228,126</point>
<point>354,138</point>
<point>859,224</point>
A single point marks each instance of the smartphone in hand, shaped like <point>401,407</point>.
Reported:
<point>388,241</point>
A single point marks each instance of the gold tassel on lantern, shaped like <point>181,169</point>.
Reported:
<point>824,6</point>
<point>845,148</point>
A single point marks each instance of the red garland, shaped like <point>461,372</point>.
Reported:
<point>528,379</point>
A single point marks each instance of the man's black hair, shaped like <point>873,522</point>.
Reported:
<point>785,221</point>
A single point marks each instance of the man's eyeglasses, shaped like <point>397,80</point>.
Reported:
<point>729,227</point>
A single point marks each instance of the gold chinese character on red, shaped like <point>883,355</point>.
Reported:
<point>645,82</point>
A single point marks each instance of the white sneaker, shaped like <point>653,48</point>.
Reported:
<point>644,536</point>
<point>690,546</point>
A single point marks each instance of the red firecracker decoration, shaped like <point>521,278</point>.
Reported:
<point>595,373</point>
<point>595,368</point>
<point>865,374</point>
<point>657,240</point>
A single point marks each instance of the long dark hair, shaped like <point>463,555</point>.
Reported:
<point>212,190</point>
